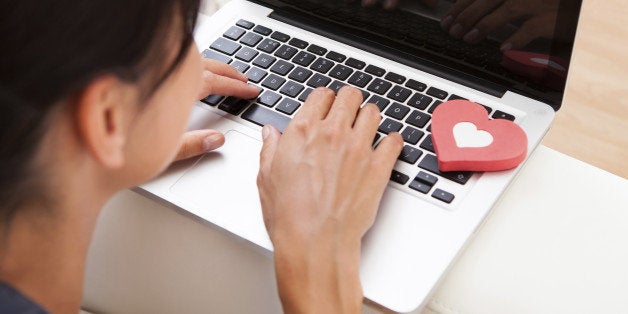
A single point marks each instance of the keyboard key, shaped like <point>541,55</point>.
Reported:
<point>426,178</point>
<point>390,125</point>
<point>305,94</point>
<point>286,52</point>
<point>210,54</point>
<point>280,36</point>
<point>377,137</point>
<point>438,93</point>
<point>233,105</point>
<point>395,78</point>
<point>360,79</point>
<point>397,111</point>
<point>263,116</point>
<point>427,144</point>
<point>269,98</point>
<point>410,154</point>
<point>212,100</point>
<point>502,115</point>
<point>399,177</point>
<point>355,63</point>
<point>365,95</point>
<point>318,80</point>
<point>303,58</point>
<point>264,61</point>
<point>322,65</point>
<point>298,43</point>
<point>377,71</point>
<point>225,46</point>
<point>382,103</point>
<point>336,86</point>
<point>341,72</point>
<point>246,54</point>
<point>336,56</point>
<point>251,39</point>
<point>246,24</point>
<point>430,163</point>
<point>317,50</point>
<point>416,85</point>
<point>420,186</point>
<point>273,82</point>
<point>288,106</point>
<point>255,74</point>
<point>292,89</point>
<point>412,135</point>
<point>268,45</point>
<point>300,74</point>
<point>456,97</point>
<point>418,118</point>
<point>262,30</point>
<point>488,109</point>
<point>240,66</point>
<point>420,101</point>
<point>434,105</point>
<point>234,33</point>
<point>443,196</point>
<point>399,93</point>
<point>379,86</point>
<point>282,67</point>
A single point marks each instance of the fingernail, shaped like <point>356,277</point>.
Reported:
<point>456,31</point>
<point>265,132</point>
<point>446,22</point>
<point>212,142</point>
<point>206,74</point>
<point>506,47</point>
<point>472,36</point>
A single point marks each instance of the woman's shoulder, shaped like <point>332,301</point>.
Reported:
<point>13,301</point>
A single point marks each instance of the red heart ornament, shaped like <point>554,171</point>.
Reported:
<point>466,140</point>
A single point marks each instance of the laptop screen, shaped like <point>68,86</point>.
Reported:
<point>494,46</point>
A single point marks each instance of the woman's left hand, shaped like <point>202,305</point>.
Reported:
<point>219,79</point>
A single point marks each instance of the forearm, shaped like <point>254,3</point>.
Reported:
<point>319,278</point>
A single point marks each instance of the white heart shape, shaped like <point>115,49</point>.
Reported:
<point>467,134</point>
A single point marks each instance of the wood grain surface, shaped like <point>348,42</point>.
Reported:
<point>592,125</point>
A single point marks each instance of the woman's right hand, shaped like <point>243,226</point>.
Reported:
<point>320,187</point>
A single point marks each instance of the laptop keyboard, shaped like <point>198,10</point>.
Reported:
<point>286,70</point>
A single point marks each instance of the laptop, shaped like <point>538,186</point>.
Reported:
<point>403,62</point>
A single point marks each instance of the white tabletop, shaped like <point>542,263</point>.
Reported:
<point>556,243</point>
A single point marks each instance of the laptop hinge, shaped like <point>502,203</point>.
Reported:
<point>308,23</point>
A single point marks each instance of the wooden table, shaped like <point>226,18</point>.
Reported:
<point>593,123</point>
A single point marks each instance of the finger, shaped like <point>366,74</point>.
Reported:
<point>316,106</point>
<point>223,69</point>
<point>221,85</point>
<point>345,107</point>
<point>386,153</point>
<point>491,22</point>
<point>465,21</point>
<point>390,4</point>
<point>453,12</point>
<point>271,136</point>
<point>528,32</point>
<point>367,122</point>
<point>194,143</point>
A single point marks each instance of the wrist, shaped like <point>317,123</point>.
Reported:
<point>318,276</point>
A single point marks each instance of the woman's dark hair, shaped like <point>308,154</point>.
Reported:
<point>52,49</point>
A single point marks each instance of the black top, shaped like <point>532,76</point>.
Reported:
<point>14,302</point>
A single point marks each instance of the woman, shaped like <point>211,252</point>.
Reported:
<point>94,98</point>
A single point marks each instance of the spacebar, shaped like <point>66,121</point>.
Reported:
<point>262,116</point>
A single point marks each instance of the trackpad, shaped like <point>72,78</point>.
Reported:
<point>221,187</point>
